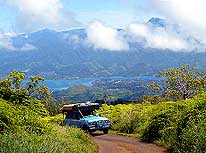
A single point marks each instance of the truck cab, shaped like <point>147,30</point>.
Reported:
<point>80,115</point>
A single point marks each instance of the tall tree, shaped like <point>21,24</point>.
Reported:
<point>12,88</point>
<point>182,83</point>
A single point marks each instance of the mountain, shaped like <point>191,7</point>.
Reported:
<point>67,54</point>
<point>157,22</point>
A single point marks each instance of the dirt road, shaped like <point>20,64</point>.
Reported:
<point>110,143</point>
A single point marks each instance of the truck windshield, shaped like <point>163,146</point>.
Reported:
<point>89,116</point>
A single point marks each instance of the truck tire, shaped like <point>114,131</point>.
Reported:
<point>105,131</point>
<point>85,128</point>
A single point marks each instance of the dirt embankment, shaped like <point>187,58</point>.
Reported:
<point>119,144</point>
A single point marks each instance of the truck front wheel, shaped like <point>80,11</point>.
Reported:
<point>85,128</point>
<point>106,131</point>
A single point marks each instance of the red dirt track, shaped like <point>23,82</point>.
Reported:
<point>110,143</point>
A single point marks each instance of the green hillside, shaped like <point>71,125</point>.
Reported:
<point>179,126</point>
<point>25,124</point>
<point>175,119</point>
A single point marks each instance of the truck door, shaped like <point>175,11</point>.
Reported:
<point>76,119</point>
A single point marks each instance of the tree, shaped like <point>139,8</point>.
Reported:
<point>33,84</point>
<point>13,89</point>
<point>37,90</point>
<point>182,83</point>
<point>152,99</point>
<point>16,78</point>
<point>5,89</point>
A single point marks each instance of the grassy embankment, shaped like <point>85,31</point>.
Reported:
<point>25,123</point>
<point>179,126</point>
<point>30,129</point>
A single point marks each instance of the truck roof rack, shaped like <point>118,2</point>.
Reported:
<point>80,106</point>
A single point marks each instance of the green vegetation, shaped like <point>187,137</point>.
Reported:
<point>180,125</point>
<point>108,90</point>
<point>182,83</point>
<point>85,93</point>
<point>25,124</point>
<point>175,119</point>
<point>57,140</point>
<point>54,49</point>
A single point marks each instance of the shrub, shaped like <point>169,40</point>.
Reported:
<point>192,138</point>
<point>178,125</point>
<point>55,120</point>
<point>58,140</point>
<point>7,115</point>
<point>26,126</point>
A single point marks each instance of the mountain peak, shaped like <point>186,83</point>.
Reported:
<point>157,22</point>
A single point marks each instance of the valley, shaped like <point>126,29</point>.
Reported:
<point>105,88</point>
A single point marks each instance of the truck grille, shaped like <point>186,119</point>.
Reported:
<point>101,122</point>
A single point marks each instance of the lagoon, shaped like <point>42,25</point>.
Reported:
<point>64,84</point>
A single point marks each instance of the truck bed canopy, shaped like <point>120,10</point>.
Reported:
<point>80,106</point>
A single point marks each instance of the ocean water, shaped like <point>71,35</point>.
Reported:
<point>64,84</point>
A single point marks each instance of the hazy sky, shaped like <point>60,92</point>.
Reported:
<point>101,17</point>
<point>15,15</point>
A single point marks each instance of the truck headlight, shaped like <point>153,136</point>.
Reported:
<point>94,123</point>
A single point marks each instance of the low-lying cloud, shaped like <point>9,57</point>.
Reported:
<point>190,14</point>
<point>6,43</point>
<point>158,37</point>
<point>104,37</point>
<point>187,32</point>
<point>26,47</point>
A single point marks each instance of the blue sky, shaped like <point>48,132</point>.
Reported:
<point>101,16</point>
<point>6,18</point>
<point>116,13</point>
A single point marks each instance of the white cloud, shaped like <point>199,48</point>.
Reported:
<point>26,47</point>
<point>158,37</point>
<point>190,14</point>
<point>104,37</point>
<point>5,41</point>
<point>33,15</point>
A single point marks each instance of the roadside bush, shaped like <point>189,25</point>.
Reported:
<point>7,115</point>
<point>25,124</point>
<point>58,140</point>
<point>30,129</point>
<point>123,117</point>
<point>15,117</point>
<point>54,120</point>
<point>192,139</point>
<point>179,125</point>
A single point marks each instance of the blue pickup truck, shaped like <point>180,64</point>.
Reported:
<point>80,115</point>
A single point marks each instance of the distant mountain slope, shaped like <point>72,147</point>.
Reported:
<point>62,55</point>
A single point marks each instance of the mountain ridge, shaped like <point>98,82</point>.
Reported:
<point>67,54</point>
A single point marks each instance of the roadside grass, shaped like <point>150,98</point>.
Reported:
<point>25,122</point>
<point>25,130</point>
<point>179,126</point>
<point>58,140</point>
